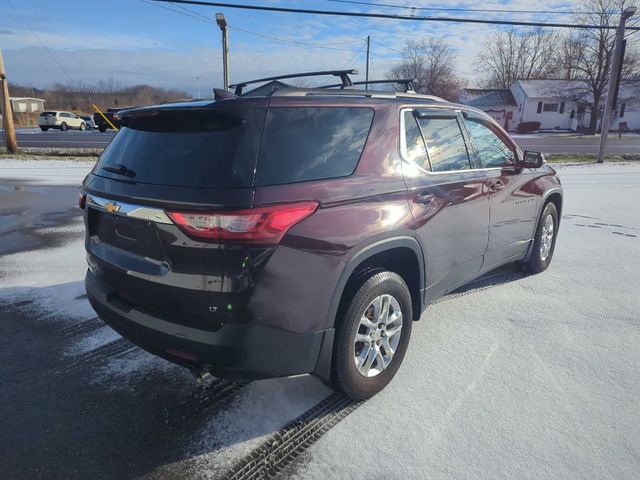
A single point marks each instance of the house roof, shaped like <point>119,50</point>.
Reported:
<point>571,89</point>
<point>477,97</point>
<point>25,98</point>
<point>550,88</point>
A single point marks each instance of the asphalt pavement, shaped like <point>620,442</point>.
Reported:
<point>557,143</point>
<point>551,143</point>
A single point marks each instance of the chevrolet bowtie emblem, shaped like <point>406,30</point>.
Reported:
<point>111,207</point>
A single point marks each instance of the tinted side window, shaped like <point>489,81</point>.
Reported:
<point>493,152</point>
<point>414,149</point>
<point>445,144</point>
<point>300,144</point>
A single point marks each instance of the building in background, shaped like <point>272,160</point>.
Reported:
<point>556,104</point>
<point>26,110</point>
<point>27,105</point>
<point>499,103</point>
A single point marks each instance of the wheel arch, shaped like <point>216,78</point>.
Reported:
<point>402,255</point>
<point>553,195</point>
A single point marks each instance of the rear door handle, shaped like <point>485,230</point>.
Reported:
<point>424,198</point>
<point>496,186</point>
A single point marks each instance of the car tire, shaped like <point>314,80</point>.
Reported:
<point>102,129</point>
<point>44,129</point>
<point>350,357</point>
<point>64,127</point>
<point>82,127</point>
<point>544,242</point>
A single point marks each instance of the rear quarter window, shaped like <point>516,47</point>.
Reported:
<point>301,144</point>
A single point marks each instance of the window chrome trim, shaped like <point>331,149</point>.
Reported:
<point>129,210</point>
<point>403,149</point>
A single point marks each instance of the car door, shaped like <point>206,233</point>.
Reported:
<point>513,202</point>
<point>449,207</point>
<point>76,120</point>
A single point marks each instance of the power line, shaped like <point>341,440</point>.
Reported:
<point>348,62</point>
<point>264,8</point>
<point>192,14</point>
<point>55,60</point>
<point>313,45</point>
<point>380,57</point>
<point>353,58</point>
<point>198,16</point>
<point>387,47</point>
<point>455,9</point>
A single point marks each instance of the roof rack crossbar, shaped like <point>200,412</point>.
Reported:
<point>406,82</point>
<point>343,74</point>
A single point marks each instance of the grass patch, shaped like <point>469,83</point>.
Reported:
<point>36,153</point>
<point>590,157</point>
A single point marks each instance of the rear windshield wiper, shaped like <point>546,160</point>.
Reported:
<point>120,170</point>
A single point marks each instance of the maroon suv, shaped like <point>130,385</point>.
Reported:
<point>304,231</point>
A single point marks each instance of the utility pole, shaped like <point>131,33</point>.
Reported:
<point>198,86</point>
<point>366,86</point>
<point>222,23</point>
<point>614,79</point>
<point>7,115</point>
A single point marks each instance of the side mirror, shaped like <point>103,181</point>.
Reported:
<point>532,160</point>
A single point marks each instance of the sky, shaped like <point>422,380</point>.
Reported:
<point>165,45</point>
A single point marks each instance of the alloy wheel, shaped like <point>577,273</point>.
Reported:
<point>378,335</point>
<point>546,240</point>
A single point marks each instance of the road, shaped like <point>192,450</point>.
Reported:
<point>578,144</point>
<point>58,139</point>
<point>515,376</point>
<point>546,144</point>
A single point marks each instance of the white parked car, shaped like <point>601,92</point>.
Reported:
<point>88,120</point>
<point>60,120</point>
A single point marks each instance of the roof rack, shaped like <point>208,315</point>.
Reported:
<point>406,82</point>
<point>343,74</point>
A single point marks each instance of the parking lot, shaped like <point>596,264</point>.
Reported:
<point>514,376</point>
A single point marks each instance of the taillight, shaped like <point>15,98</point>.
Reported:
<point>265,225</point>
<point>82,201</point>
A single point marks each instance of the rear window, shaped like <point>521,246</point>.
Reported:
<point>48,114</point>
<point>301,144</point>
<point>190,148</point>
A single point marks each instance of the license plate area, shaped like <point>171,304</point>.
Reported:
<point>131,234</point>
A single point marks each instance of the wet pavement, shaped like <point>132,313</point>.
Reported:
<point>26,210</point>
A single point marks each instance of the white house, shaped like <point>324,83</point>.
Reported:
<point>498,102</point>
<point>560,104</point>
<point>27,104</point>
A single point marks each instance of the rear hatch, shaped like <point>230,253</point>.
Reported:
<point>173,225</point>
<point>47,118</point>
<point>192,159</point>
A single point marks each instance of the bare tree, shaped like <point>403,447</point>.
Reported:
<point>79,97</point>
<point>511,55</point>
<point>586,55</point>
<point>430,62</point>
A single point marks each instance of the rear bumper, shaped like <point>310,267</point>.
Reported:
<point>232,351</point>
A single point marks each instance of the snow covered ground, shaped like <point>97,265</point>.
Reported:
<point>538,377</point>
<point>48,172</point>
